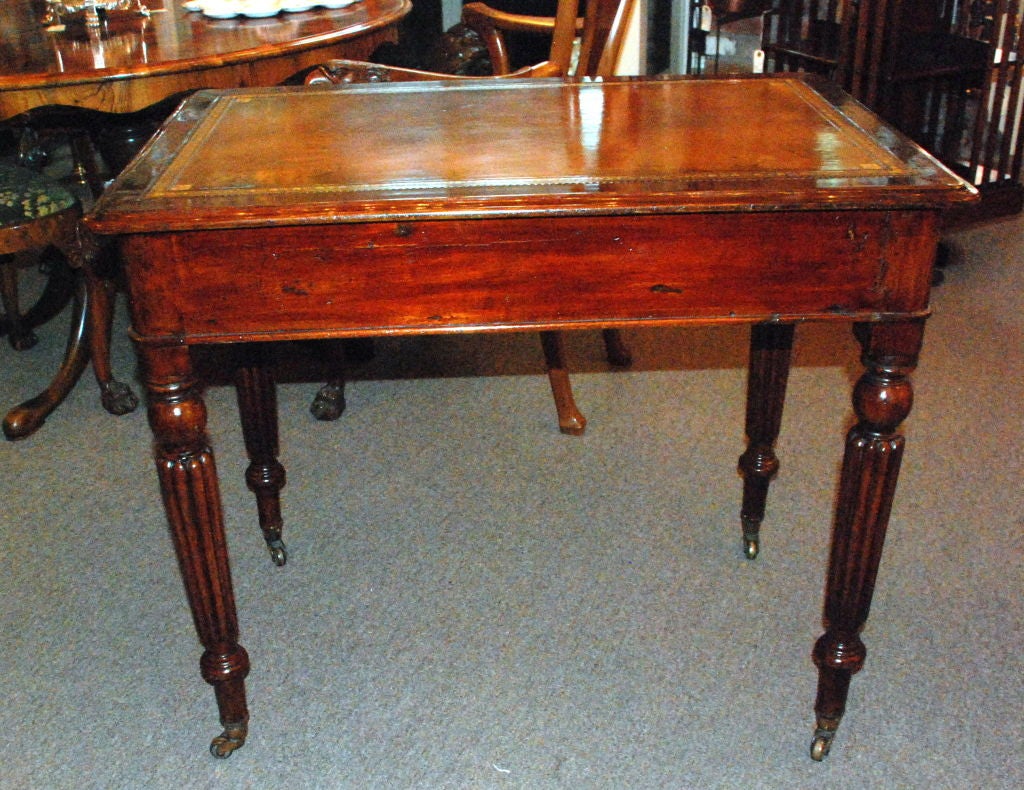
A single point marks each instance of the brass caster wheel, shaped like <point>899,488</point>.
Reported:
<point>820,747</point>
<point>329,403</point>
<point>751,547</point>
<point>278,552</point>
<point>228,741</point>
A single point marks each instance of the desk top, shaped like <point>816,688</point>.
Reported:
<point>451,150</point>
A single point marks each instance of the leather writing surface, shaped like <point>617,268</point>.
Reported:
<point>444,150</point>
<point>423,138</point>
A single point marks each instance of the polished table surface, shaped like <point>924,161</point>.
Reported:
<point>434,208</point>
<point>133,61</point>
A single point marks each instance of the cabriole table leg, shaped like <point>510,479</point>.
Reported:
<point>882,399</point>
<point>188,483</point>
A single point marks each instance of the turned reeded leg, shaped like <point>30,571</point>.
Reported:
<point>188,483</point>
<point>570,420</point>
<point>770,350</point>
<point>265,476</point>
<point>881,400</point>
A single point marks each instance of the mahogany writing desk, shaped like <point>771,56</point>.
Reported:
<point>528,205</point>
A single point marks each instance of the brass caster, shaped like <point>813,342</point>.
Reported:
<point>751,547</point>
<point>278,552</point>
<point>118,398</point>
<point>228,741</point>
<point>821,745</point>
<point>329,403</point>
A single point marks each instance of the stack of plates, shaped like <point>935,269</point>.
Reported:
<point>257,9</point>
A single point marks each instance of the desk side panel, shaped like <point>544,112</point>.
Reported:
<point>440,276</point>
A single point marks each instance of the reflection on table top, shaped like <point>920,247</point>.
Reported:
<point>170,39</point>
<point>623,146</point>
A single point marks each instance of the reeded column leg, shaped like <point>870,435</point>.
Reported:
<point>771,347</point>
<point>881,400</point>
<point>265,476</point>
<point>570,420</point>
<point>191,494</point>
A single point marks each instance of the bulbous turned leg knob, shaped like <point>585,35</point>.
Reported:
<point>228,741</point>
<point>751,547</point>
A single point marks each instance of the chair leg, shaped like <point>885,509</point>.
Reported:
<point>59,288</point>
<point>116,396</point>
<point>329,402</point>
<point>615,348</point>
<point>26,418</point>
<point>20,334</point>
<point>570,420</point>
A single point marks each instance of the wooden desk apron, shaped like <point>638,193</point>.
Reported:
<point>433,207</point>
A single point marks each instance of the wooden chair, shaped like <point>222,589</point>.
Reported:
<point>35,214</point>
<point>587,46</point>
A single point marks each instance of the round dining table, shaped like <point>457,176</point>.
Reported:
<point>94,77</point>
<point>133,61</point>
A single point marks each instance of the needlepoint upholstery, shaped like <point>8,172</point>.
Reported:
<point>26,195</point>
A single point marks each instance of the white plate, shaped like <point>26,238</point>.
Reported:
<point>219,13</point>
<point>193,5</point>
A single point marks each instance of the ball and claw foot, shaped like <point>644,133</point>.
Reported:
<point>329,403</point>
<point>278,552</point>
<point>118,398</point>
<point>821,744</point>
<point>228,741</point>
